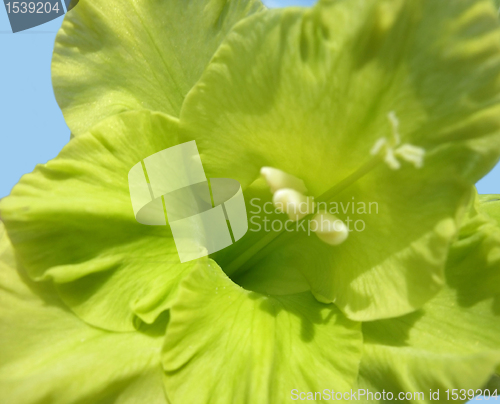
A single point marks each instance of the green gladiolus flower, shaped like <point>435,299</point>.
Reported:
<point>378,117</point>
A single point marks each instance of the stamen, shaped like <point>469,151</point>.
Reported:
<point>294,203</point>
<point>329,229</point>
<point>278,179</point>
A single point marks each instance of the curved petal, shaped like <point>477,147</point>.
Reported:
<point>49,355</point>
<point>490,204</point>
<point>453,342</point>
<point>413,376</point>
<point>72,221</point>
<point>312,92</point>
<point>240,346</point>
<point>497,4</point>
<point>114,56</point>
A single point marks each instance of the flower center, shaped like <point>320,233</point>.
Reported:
<point>290,197</point>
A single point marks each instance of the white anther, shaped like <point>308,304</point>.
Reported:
<point>329,229</point>
<point>293,203</point>
<point>278,179</point>
<point>412,154</point>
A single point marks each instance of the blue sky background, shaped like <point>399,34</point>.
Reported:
<point>33,130</point>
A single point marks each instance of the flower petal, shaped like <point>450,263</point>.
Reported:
<point>407,373</point>
<point>49,355</point>
<point>114,56</point>
<point>453,342</point>
<point>72,221</point>
<point>311,92</point>
<point>490,205</point>
<point>240,346</point>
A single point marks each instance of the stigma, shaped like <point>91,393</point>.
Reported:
<point>392,150</point>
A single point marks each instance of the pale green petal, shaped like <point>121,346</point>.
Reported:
<point>72,221</point>
<point>412,375</point>
<point>497,5</point>
<point>119,55</point>
<point>453,342</point>
<point>490,204</point>
<point>228,345</point>
<point>310,91</point>
<point>50,356</point>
